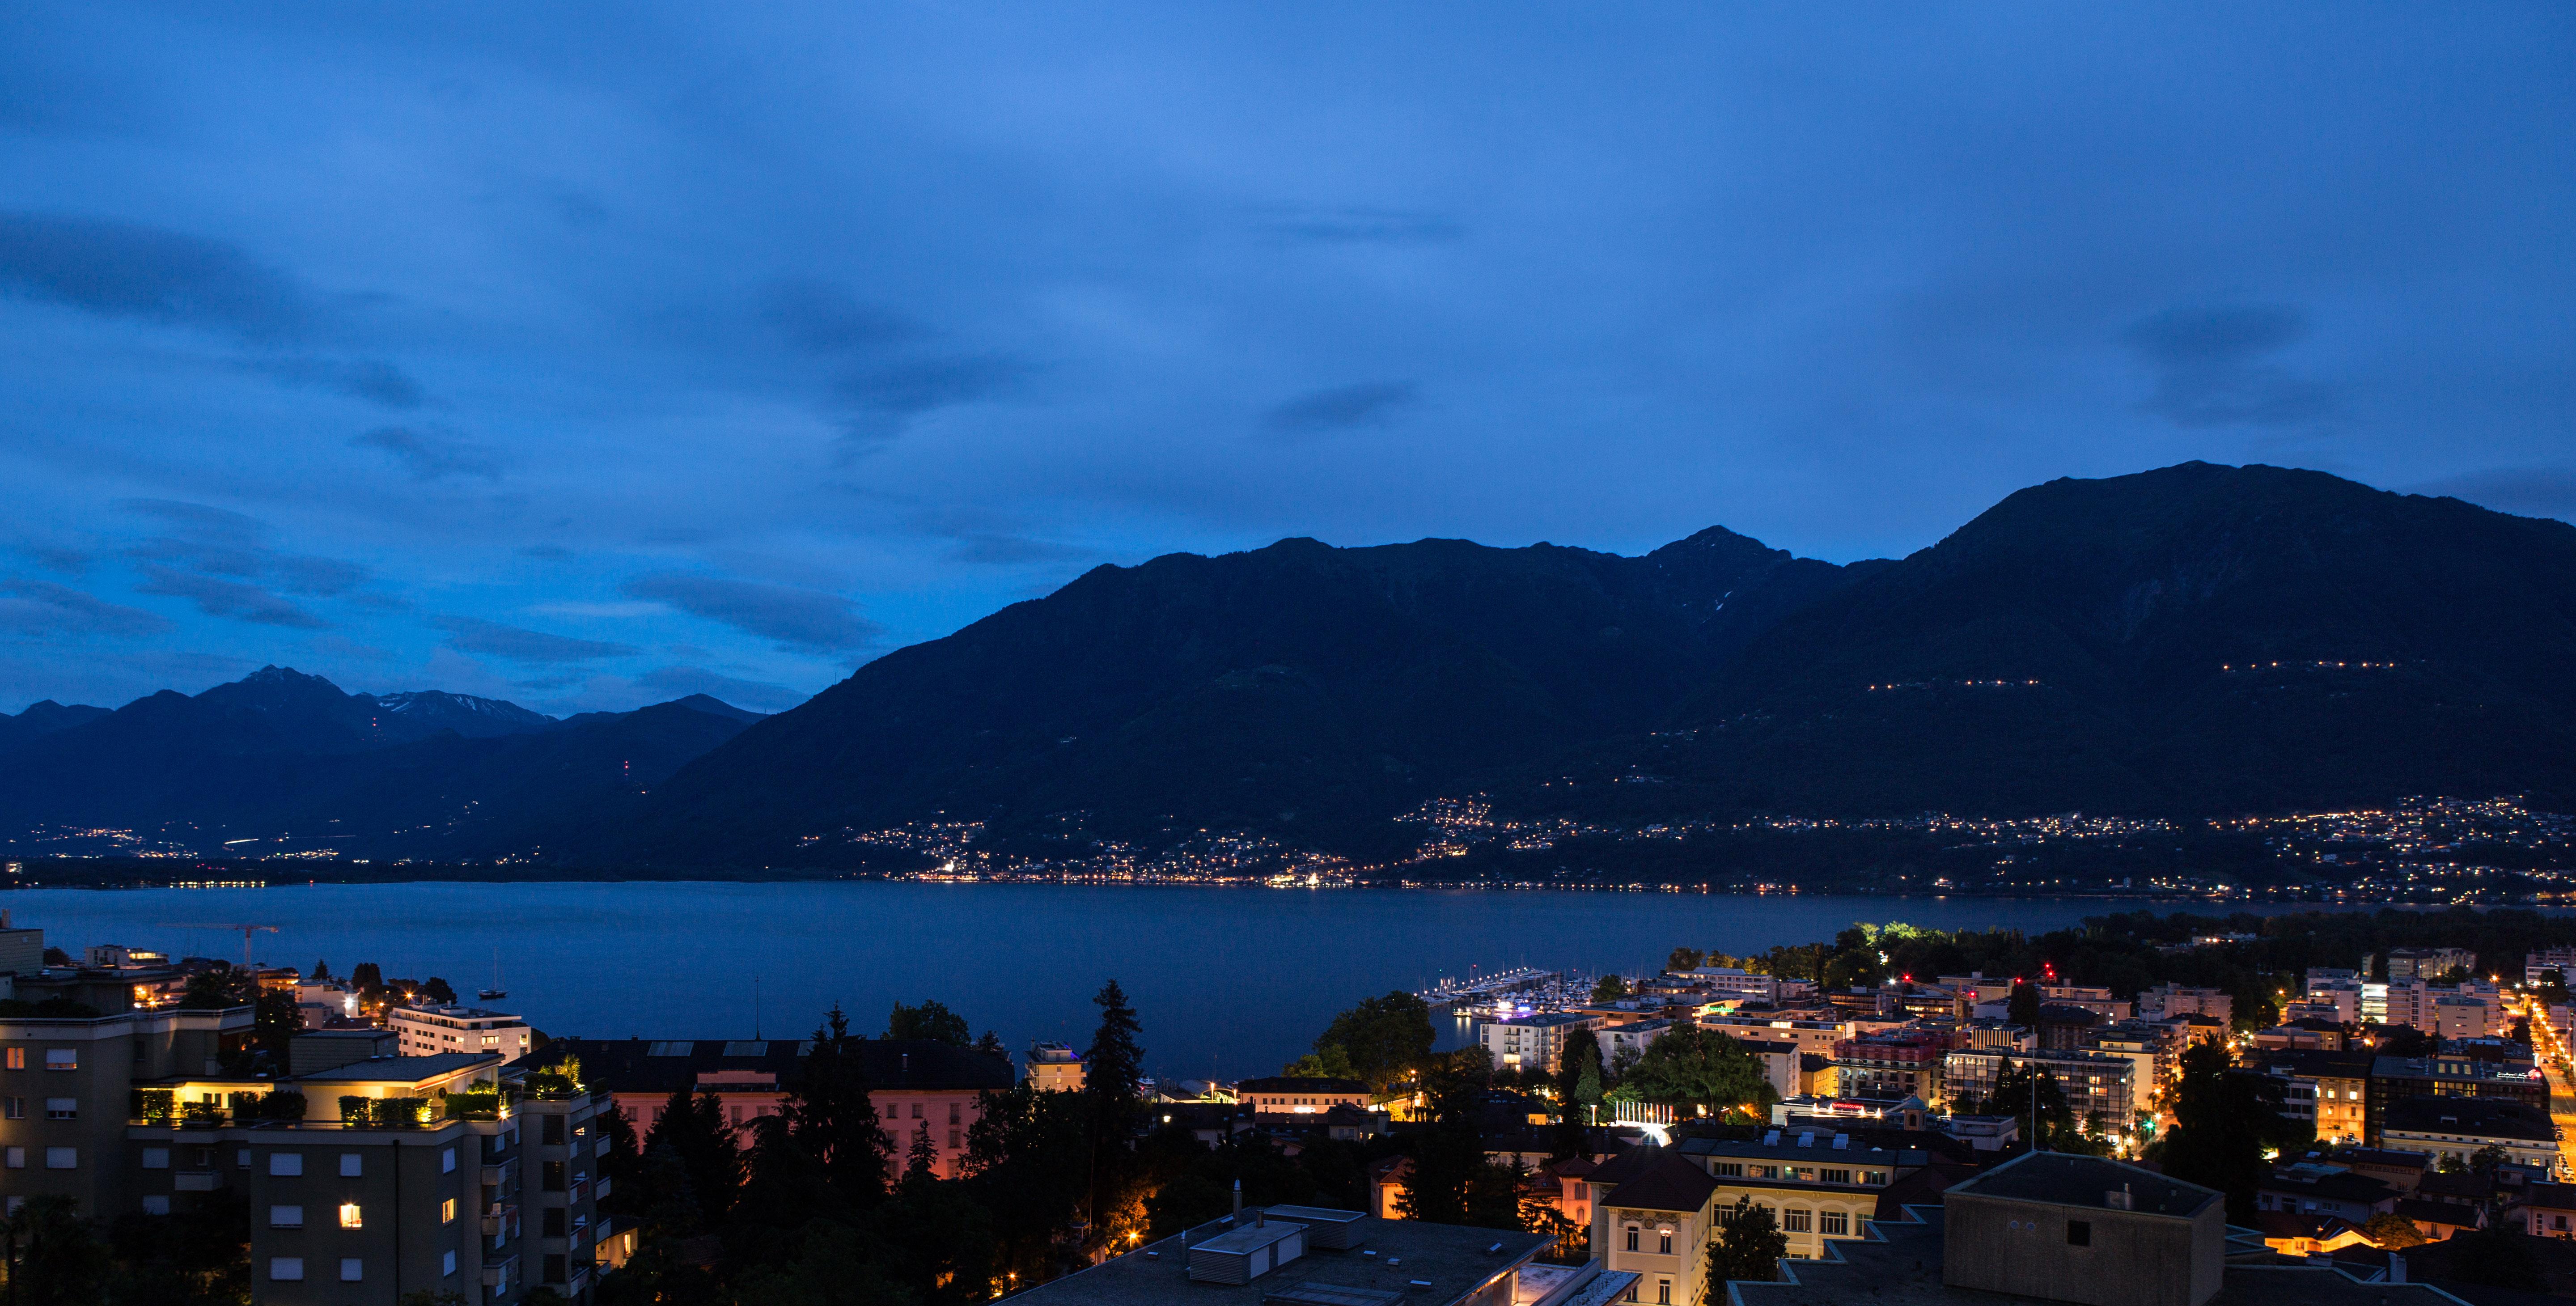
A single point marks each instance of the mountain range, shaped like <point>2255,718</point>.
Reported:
<point>281,761</point>
<point>2193,641</point>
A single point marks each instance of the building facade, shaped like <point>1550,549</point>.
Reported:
<point>432,1031</point>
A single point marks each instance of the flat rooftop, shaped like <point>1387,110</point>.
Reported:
<point>1900,1265</point>
<point>1453,1258</point>
<point>2065,1180</point>
<point>401,1070</point>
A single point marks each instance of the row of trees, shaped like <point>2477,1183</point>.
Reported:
<point>799,1207</point>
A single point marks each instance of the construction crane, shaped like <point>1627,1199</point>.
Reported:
<point>246,932</point>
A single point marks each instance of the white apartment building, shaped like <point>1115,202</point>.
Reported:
<point>2171,1000</point>
<point>2535,964</point>
<point>1532,1041</point>
<point>429,1031</point>
<point>2472,1009</point>
<point>1729,982</point>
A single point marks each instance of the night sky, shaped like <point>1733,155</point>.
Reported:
<point>591,356</point>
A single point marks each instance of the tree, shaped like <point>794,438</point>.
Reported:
<point>2023,1007</point>
<point>830,1114</point>
<point>1691,1066</point>
<point>931,1020</point>
<point>1452,1181</point>
<point>53,1257</point>
<point>1683,959</point>
<point>1381,1040</point>
<point>1748,1246</point>
<point>1611,989</point>
<point>1112,1069</point>
<point>693,1128</point>
<point>367,975</point>
<point>921,1164</point>
<point>991,1045</point>
<point>321,971</point>
<point>1582,1055</point>
<point>1328,1061</point>
<point>439,991</point>
<point>2219,1124</point>
<point>2392,1231</point>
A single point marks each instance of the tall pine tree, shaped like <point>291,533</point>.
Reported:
<point>1113,1106</point>
<point>831,1116</point>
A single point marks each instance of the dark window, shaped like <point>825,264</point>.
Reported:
<point>1667,1244</point>
<point>553,1176</point>
<point>554,1222</point>
<point>2079,1233</point>
<point>1632,1237</point>
<point>553,1130</point>
<point>554,1267</point>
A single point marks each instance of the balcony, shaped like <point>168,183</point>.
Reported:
<point>601,1190</point>
<point>500,1272</point>
<point>498,1219</point>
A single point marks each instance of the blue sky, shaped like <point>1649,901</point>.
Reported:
<point>591,355</point>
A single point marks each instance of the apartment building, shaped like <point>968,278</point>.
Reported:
<point>2469,1009</point>
<point>1895,1063</point>
<point>1526,1042</point>
<point>433,1031</point>
<point>2334,1088</point>
<point>1055,1068</point>
<point>2093,1082</point>
<point>1810,1034</point>
<point>67,1085</point>
<point>915,1084</point>
<point>2428,963</point>
<point>2537,964</point>
<point>2170,1000</point>
<point>1299,1095</point>
<point>2397,1080</point>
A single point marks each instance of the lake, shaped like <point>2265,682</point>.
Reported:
<point>1228,981</point>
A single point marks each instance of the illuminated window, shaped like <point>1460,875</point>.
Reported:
<point>350,1217</point>
<point>17,1058</point>
<point>447,1211</point>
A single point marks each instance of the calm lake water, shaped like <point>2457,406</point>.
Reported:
<point>1228,982</point>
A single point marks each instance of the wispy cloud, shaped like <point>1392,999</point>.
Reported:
<point>117,269</point>
<point>821,318</point>
<point>219,542</point>
<point>36,607</point>
<point>218,597</point>
<point>429,455</point>
<point>492,639</point>
<point>2211,369</point>
<point>800,618</point>
<point>372,379</point>
<point>1355,226</point>
<point>1369,403</point>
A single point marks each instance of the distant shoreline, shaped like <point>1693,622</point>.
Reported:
<point>237,879</point>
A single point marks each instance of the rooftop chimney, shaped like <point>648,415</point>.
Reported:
<point>1238,1197</point>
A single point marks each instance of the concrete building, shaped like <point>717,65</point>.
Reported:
<point>915,1084</point>
<point>2397,1079</point>
<point>2537,964</point>
<point>67,1086</point>
<point>1632,1039</point>
<point>2460,1126</point>
<point>2170,1000</point>
<point>1527,1042</point>
<point>2470,1009</point>
<point>1892,1064</point>
<point>2094,1083</point>
<point>1300,1095</point>
<point>2099,1221</point>
<point>2428,963</point>
<point>1729,982</point>
<point>2336,1090</point>
<point>1054,1068</point>
<point>434,1031</point>
<point>1810,1033</point>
